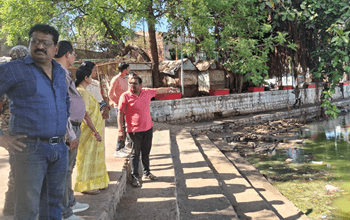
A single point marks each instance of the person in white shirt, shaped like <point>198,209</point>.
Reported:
<point>95,90</point>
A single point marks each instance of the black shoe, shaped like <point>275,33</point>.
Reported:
<point>135,182</point>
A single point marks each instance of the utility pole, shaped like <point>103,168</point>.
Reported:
<point>144,37</point>
<point>182,70</point>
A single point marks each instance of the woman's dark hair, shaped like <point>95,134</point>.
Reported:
<point>64,47</point>
<point>84,70</point>
<point>122,66</point>
<point>46,29</point>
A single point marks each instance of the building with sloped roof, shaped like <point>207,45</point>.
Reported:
<point>172,74</point>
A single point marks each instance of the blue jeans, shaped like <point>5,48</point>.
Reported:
<point>40,173</point>
<point>10,194</point>
<point>68,198</point>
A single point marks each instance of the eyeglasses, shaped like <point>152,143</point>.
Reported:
<point>45,43</point>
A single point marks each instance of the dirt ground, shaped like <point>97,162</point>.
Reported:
<point>266,138</point>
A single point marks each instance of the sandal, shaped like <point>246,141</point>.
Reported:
<point>92,192</point>
<point>135,182</point>
<point>150,176</point>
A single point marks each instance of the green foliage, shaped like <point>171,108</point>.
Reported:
<point>87,22</point>
<point>236,32</point>
<point>329,21</point>
<point>16,18</point>
<point>321,34</point>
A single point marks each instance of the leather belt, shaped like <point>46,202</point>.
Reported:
<point>52,140</point>
<point>77,124</point>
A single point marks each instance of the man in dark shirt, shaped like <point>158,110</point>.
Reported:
<point>39,113</point>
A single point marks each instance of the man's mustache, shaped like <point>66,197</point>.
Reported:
<point>40,50</point>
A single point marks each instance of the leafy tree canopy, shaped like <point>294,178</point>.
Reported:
<point>321,30</point>
<point>237,32</point>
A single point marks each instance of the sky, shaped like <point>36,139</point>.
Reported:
<point>161,26</point>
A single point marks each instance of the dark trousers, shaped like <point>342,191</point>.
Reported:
<point>141,142</point>
<point>68,199</point>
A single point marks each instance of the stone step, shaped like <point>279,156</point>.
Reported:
<point>198,193</point>
<point>242,195</point>
<point>282,207</point>
<point>154,199</point>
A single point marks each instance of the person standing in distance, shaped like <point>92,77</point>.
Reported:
<point>119,85</point>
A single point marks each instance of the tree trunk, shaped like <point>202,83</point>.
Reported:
<point>157,81</point>
<point>134,47</point>
<point>239,82</point>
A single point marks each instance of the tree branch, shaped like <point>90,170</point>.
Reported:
<point>134,47</point>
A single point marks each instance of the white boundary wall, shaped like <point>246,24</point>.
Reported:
<point>188,110</point>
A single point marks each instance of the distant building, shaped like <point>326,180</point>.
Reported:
<point>210,77</point>
<point>166,50</point>
<point>172,74</point>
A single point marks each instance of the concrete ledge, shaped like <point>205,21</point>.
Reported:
<point>198,194</point>
<point>245,199</point>
<point>116,196</point>
<point>303,113</point>
<point>113,199</point>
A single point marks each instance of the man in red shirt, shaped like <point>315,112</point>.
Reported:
<point>135,105</point>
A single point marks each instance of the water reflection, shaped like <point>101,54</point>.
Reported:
<point>296,154</point>
<point>337,129</point>
<point>338,133</point>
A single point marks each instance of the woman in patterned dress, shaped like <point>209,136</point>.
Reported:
<point>91,167</point>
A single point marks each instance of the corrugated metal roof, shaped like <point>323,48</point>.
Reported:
<point>170,66</point>
<point>140,66</point>
<point>204,66</point>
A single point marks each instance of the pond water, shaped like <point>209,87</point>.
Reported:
<point>329,144</point>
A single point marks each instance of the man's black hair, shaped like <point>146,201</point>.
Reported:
<point>138,78</point>
<point>46,29</point>
<point>64,47</point>
<point>122,66</point>
<point>132,74</point>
